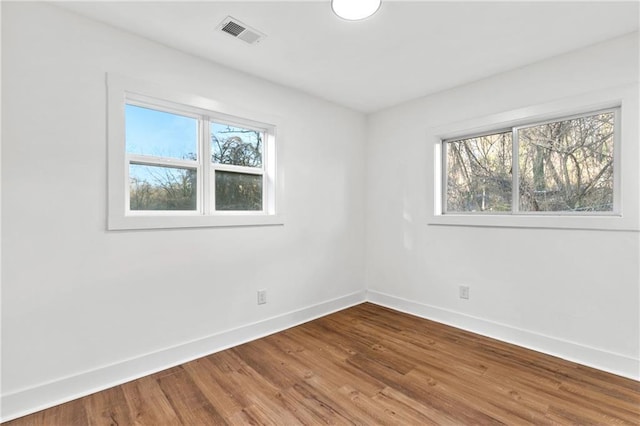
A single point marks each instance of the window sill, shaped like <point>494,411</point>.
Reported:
<point>599,223</point>
<point>171,222</point>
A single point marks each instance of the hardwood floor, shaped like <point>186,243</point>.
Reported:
<point>366,365</point>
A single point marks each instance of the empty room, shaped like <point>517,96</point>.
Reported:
<point>320,212</point>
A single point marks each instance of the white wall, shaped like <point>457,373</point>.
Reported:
<point>83,308</point>
<point>80,304</point>
<point>573,293</point>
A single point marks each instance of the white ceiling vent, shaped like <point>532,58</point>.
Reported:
<point>237,29</point>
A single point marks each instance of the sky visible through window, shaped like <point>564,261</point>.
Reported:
<point>161,134</point>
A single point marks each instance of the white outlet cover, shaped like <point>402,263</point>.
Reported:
<point>464,292</point>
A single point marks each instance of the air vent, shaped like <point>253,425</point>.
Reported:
<point>237,29</point>
<point>233,28</point>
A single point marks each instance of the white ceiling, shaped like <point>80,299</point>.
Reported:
<point>406,50</point>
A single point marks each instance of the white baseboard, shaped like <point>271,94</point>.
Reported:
<point>33,399</point>
<point>592,357</point>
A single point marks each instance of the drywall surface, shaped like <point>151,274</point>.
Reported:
<point>76,297</point>
<point>574,293</point>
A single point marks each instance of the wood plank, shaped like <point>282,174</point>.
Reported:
<point>70,413</point>
<point>108,407</point>
<point>364,365</point>
<point>147,403</point>
<point>188,401</point>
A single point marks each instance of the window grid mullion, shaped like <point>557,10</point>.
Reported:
<point>127,185</point>
<point>238,169</point>
<point>161,161</point>
<point>445,175</point>
<point>617,187</point>
<point>515,172</point>
<point>205,159</point>
<point>265,160</point>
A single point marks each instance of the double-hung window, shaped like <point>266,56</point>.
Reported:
<point>175,161</point>
<point>563,166</point>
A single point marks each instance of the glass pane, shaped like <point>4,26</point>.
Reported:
<point>238,191</point>
<point>479,174</point>
<point>567,165</point>
<point>161,134</point>
<point>235,145</point>
<point>162,188</point>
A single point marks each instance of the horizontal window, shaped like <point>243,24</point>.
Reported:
<point>563,166</point>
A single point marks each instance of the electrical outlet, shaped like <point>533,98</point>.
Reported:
<point>262,297</point>
<point>464,292</point>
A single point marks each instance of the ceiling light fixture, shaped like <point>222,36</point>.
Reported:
<point>355,10</point>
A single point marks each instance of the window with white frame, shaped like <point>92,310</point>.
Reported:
<point>186,164</point>
<point>561,166</point>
